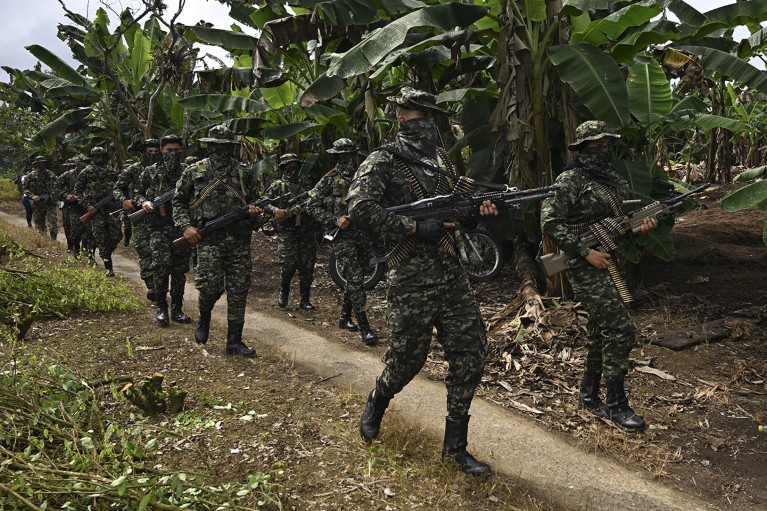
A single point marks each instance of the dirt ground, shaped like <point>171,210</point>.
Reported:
<point>702,436</point>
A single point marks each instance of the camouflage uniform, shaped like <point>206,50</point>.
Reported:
<point>168,262</point>
<point>95,182</point>
<point>427,287</point>
<point>40,182</point>
<point>125,190</point>
<point>72,210</point>
<point>587,188</point>
<point>206,190</point>
<point>296,241</point>
<point>327,204</point>
<point>26,201</point>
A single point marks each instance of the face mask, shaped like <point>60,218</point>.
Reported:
<point>601,153</point>
<point>290,172</point>
<point>150,159</point>
<point>346,165</point>
<point>172,160</point>
<point>419,136</point>
<point>220,154</point>
<point>98,161</point>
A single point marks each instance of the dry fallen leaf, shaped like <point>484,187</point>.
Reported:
<point>656,372</point>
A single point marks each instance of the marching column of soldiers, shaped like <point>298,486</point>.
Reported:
<point>212,205</point>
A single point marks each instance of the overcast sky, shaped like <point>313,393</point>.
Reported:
<point>34,22</point>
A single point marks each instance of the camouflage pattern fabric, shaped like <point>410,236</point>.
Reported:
<point>41,182</point>
<point>327,203</point>
<point>93,184</point>
<point>223,258</point>
<point>166,259</point>
<point>580,200</point>
<point>71,211</point>
<point>429,289</point>
<point>296,240</point>
<point>125,189</point>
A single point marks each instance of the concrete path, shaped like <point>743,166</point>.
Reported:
<point>514,446</point>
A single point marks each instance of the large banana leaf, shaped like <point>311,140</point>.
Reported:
<point>379,43</point>
<point>658,243</point>
<point>61,125</point>
<point>357,12</point>
<point>604,30</point>
<point>577,7</point>
<point>140,58</point>
<point>637,39</point>
<point>687,13</point>
<point>57,65</point>
<point>729,66</point>
<point>726,17</point>
<point>649,91</point>
<point>227,39</point>
<point>223,103</point>
<point>325,87</point>
<point>288,130</point>
<point>709,121</point>
<point>746,197</point>
<point>596,79</point>
<point>60,88</point>
<point>748,175</point>
<point>534,10</point>
<point>421,52</point>
<point>636,174</point>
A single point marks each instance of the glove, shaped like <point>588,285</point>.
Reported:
<point>429,230</point>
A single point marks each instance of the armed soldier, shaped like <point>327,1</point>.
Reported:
<point>168,262</point>
<point>327,204</point>
<point>125,193</point>
<point>296,241</point>
<point>209,189</point>
<point>38,186</point>
<point>71,211</point>
<point>590,190</point>
<point>26,201</point>
<point>427,286</point>
<point>97,182</point>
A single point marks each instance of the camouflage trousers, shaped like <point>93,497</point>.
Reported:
<point>611,330</point>
<point>167,260</point>
<point>141,242</point>
<point>46,213</point>
<point>297,251</point>
<point>73,227</point>
<point>413,312</point>
<point>224,265</point>
<point>106,234</point>
<point>353,253</point>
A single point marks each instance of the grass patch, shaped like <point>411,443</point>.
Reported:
<point>8,189</point>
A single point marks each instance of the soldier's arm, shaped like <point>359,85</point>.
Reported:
<point>122,185</point>
<point>80,185</point>
<point>58,192</point>
<point>141,187</point>
<point>315,206</point>
<point>182,197</point>
<point>554,213</point>
<point>274,190</point>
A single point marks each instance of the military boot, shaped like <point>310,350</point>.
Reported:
<point>108,267</point>
<point>161,294</point>
<point>454,448</point>
<point>234,344</point>
<point>589,392</point>
<point>150,294</point>
<point>202,328</point>
<point>69,246</point>
<point>92,258</point>
<point>617,408</point>
<point>176,314</point>
<point>370,422</point>
<point>345,319</point>
<point>282,300</point>
<point>369,338</point>
<point>305,304</point>
<point>76,251</point>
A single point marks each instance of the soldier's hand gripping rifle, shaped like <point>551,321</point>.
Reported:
<point>235,216</point>
<point>447,207</point>
<point>606,231</point>
<point>158,201</point>
<point>99,205</point>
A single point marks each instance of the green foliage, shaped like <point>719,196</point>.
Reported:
<point>8,189</point>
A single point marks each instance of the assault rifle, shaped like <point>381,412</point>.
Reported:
<point>158,201</point>
<point>45,198</point>
<point>235,216</point>
<point>99,205</point>
<point>613,228</point>
<point>446,207</point>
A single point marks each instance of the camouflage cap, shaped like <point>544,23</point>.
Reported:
<point>98,150</point>
<point>414,99</point>
<point>40,159</point>
<point>343,146</point>
<point>219,135</point>
<point>189,160</point>
<point>287,158</point>
<point>150,142</point>
<point>171,139</point>
<point>591,130</point>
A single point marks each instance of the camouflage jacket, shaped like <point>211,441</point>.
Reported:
<point>65,185</point>
<point>202,194</point>
<point>39,182</point>
<point>297,212</point>
<point>579,200</point>
<point>154,181</point>
<point>94,183</point>
<point>327,200</point>
<point>126,182</point>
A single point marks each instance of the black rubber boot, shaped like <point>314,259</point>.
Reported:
<point>589,395</point>
<point>150,294</point>
<point>369,338</point>
<point>370,422</point>
<point>69,246</point>
<point>456,431</point>
<point>108,267</point>
<point>202,328</point>
<point>305,304</point>
<point>282,300</point>
<point>234,344</point>
<point>617,408</point>
<point>176,314</point>
<point>345,319</point>
<point>92,258</point>
<point>162,317</point>
<point>76,251</point>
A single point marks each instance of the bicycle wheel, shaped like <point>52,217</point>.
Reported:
<point>481,257</point>
<point>373,275</point>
